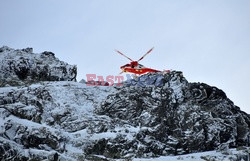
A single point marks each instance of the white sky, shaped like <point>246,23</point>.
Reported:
<point>208,40</point>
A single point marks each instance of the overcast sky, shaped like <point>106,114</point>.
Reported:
<point>208,40</point>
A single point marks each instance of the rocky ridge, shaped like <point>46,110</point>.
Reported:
<point>157,114</point>
<point>23,67</point>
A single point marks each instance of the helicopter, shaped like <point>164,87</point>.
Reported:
<point>135,67</point>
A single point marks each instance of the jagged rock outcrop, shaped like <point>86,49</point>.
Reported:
<point>176,117</point>
<point>154,115</point>
<point>20,67</point>
<point>50,118</point>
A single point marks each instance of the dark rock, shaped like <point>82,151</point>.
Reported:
<point>8,153</point>
<point>20,67</point>
<point>97,83</point>
<point>28,50</point>
<point>48,54</point>
<point>199,117</point>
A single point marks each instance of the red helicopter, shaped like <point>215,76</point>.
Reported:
<point>135,67</point>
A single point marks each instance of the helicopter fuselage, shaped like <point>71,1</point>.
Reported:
<point>138,69</point>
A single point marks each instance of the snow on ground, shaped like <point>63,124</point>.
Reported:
<point>211,155</point>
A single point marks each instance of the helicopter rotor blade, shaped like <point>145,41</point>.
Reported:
<point>123,55</point>
<point>145,54</point>
<point>122,71</point>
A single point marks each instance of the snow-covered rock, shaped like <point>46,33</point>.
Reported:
<point>51,118</point>
<point>20,67</point>
<point>235,155</point>
<point>175,117</point>
<point>155,115</point>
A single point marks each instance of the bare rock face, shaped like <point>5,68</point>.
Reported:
<point>20,67</point>
<point>154,115</point>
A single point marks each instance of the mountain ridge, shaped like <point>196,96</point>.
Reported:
<point>53,117</point>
